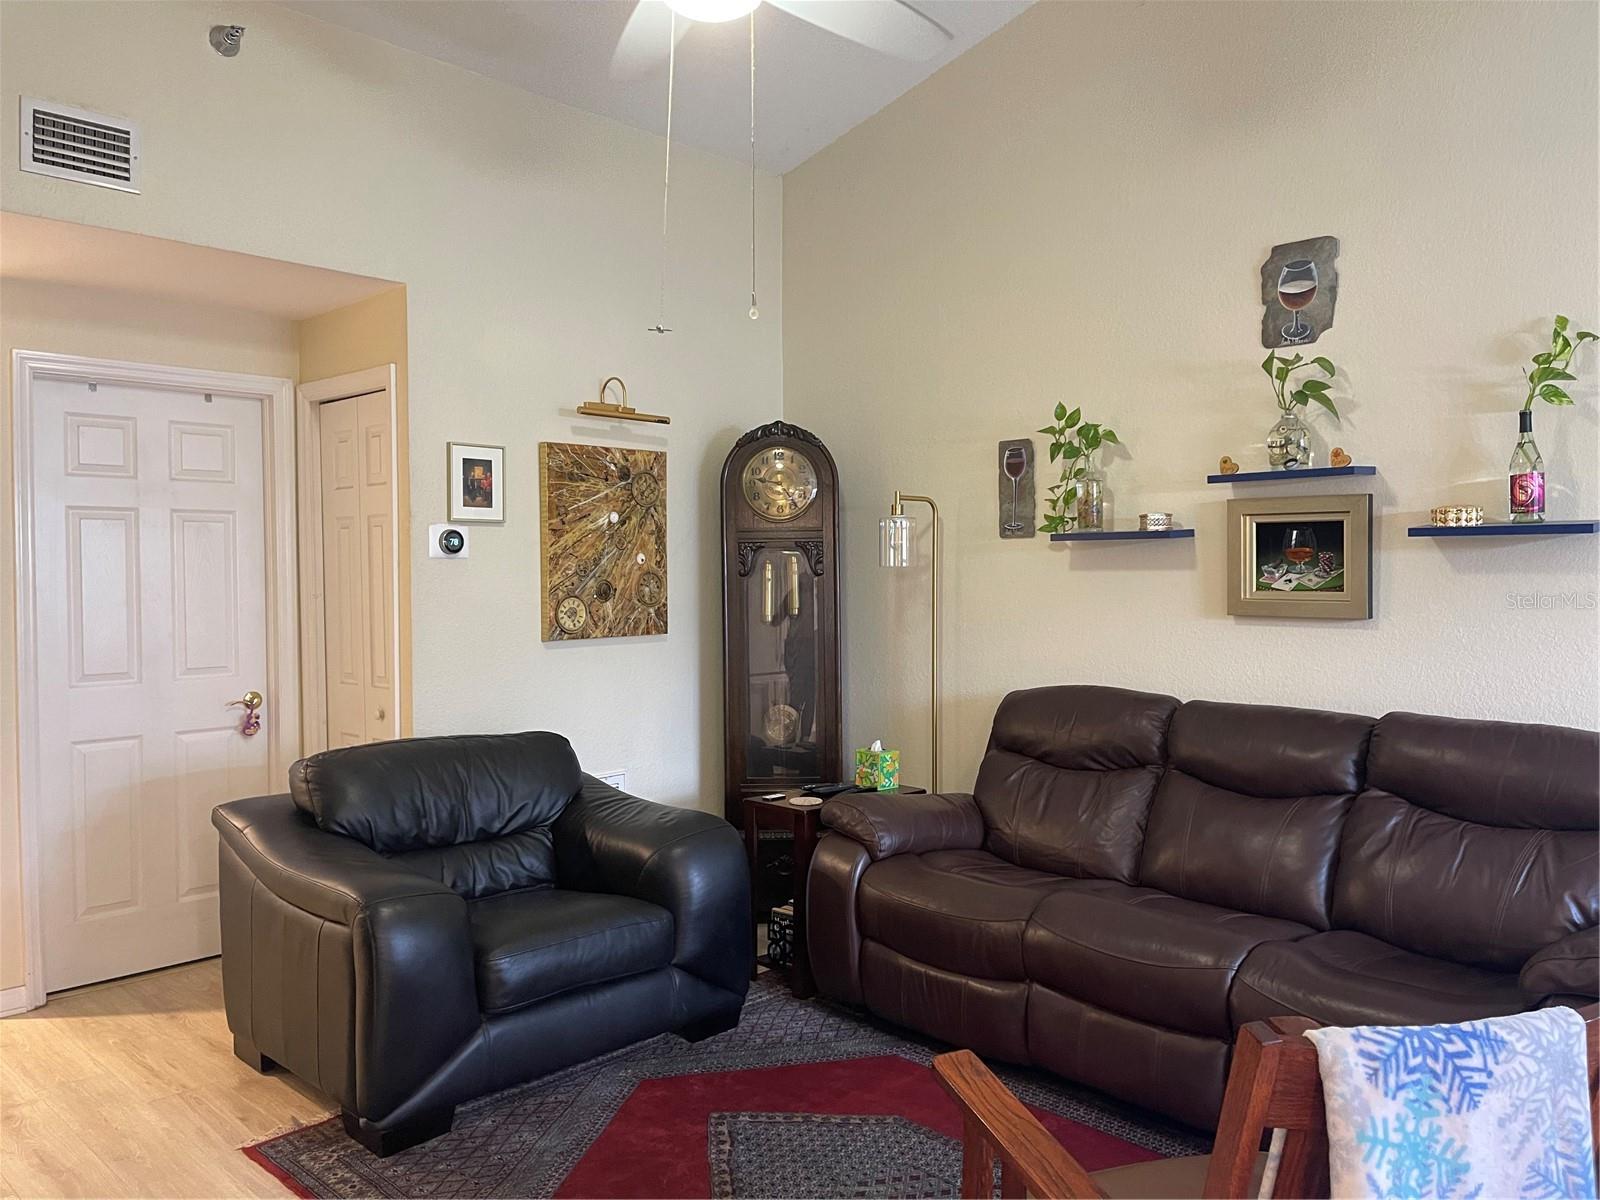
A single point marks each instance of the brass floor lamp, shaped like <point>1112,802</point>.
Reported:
<point>897,548</point>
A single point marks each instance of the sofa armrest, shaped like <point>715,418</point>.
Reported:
<point>888,823</point>
<point>1569,966</point>
<point>409,939</point>
<point>689,862</point>
<point>325,874</point>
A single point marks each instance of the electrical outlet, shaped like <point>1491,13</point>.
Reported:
<point>617,779</point>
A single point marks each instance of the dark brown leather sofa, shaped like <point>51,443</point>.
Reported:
<point>423,921</point>
<point>1133,878</point>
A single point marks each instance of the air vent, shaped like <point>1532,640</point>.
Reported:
<point>70,143</point>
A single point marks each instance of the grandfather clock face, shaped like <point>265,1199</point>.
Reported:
<point>779,483</point>
<point>780,504</point>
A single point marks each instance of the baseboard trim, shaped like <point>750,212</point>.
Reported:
<point>13,1000</point>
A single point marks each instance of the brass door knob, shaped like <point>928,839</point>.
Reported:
<point>251,702</point>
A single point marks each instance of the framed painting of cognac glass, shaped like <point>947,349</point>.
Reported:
<point>1302,556</point>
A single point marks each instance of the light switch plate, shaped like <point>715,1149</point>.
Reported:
<point>437,550</point>
<point>617,779</point>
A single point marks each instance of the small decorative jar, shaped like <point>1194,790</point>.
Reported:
<point>1155,520</point>
<point>1457,515</point>
<point>1289,443</point>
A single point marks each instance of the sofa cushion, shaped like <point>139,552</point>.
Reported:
<point>486,868</point>
<point>1065,784</point>
<point>530,945</point>
<point>962,910</point>
<point>439,791</point>
<point>1248,813</point>
<point>1144,954</point>
<point>1475,840</point>
<point>1458,890</point>
<point>1499,773</point>
<point>1345,978</point>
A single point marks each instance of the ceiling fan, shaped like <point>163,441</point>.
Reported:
<point>891,27</point>
<point>651,37</point>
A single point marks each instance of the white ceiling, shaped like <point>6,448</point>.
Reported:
<point>811,86</point>
<point>48,251</point>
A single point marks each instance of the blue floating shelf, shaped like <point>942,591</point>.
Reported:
<point>1505,529</point>
<point>1122,535</point>
<point>1291,476</point>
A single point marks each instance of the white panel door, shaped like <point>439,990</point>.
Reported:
<point>150,595</point>
<point>358,568</point>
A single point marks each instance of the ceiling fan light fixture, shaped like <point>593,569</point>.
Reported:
<point>713,11</point>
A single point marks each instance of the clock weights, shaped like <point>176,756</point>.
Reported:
<point>780,606</point>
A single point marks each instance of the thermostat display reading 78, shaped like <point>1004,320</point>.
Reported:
<point>447,541</point>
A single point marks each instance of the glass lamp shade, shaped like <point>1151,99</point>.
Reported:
<point>895,545</point>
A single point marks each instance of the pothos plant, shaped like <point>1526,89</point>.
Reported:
<point>1551,367</point>
<point>1292,393</point>
<point>1072,443</point>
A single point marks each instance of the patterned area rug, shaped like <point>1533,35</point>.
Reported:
<point>802,1099</point>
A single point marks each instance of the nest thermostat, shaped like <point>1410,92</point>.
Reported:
<point>447,541</point>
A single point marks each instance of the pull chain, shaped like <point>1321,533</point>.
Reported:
<point>754,311</point>
<point>666,183</point>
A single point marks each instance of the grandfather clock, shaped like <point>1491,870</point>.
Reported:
<point>780,606</point>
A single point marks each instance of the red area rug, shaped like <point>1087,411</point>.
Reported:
<point>801,1100</point>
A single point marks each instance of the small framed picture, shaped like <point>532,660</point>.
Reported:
<point>477,482</point>
<point>1301,556</point>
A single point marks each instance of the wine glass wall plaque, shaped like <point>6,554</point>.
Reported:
<point>1016,489</point>
<point>1299,285</point>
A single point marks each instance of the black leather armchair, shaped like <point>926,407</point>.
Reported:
<point>421,922</point>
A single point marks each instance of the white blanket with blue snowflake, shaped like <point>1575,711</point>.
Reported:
<point>1490,1108</point>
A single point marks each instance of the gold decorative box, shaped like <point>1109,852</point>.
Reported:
<point>1458,514</point>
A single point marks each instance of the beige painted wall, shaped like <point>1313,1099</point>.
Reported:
<point>1078,209</point>
<point>527,235</point>
<point>372,333</point>
<point>97,324</point>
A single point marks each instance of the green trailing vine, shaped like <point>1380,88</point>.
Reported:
<point>1291,394</point>
<point>1551,368</point>
<point>1073,442</point>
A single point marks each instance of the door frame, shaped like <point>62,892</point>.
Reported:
<point>313,617</point>
<point>283,662</point>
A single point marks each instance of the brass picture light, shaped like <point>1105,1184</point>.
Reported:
<point>619,412</point>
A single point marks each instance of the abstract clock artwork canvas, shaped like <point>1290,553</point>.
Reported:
<point>603,541</point>
<point>1299,286</point>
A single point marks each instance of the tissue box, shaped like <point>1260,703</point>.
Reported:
<point>878,769</point>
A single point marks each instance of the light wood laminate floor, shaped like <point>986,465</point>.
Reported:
<point>130,1088</point>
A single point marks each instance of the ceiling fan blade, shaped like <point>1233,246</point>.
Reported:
<point>893,27</point>
<point>642,48</point>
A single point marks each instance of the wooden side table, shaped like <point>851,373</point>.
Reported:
<point>804,824</point>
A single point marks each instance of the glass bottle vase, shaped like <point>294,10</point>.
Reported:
<point>1526,474</point>
<point>1092,498</point>
<point>1288,443</point>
